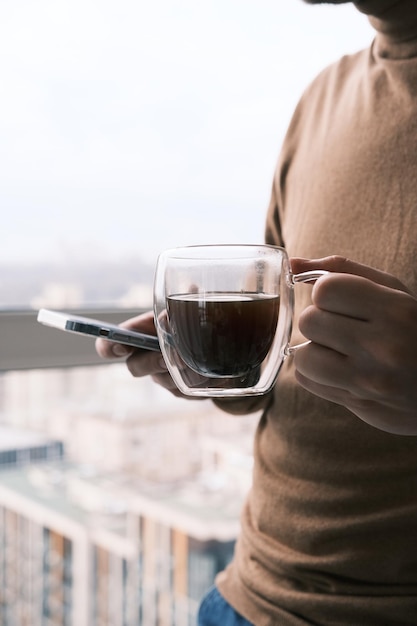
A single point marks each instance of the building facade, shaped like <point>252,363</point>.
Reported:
<point>127,559</point>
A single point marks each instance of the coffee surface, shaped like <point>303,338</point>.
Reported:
<point>223,334</point>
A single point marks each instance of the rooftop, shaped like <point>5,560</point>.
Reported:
<point>205,507</point>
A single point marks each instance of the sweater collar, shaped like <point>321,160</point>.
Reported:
<point>396,24</point>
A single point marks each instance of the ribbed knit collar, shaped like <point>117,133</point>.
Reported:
<point>396,24</point>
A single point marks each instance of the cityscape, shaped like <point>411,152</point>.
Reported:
<point>124,129</point>
<point>118,502</point>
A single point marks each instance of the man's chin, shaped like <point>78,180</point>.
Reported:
<point>327,1</point>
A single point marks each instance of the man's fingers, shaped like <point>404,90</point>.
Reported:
<point>338,332</point>
<point>342,265</point>
<point>165,381</point>
<point>352,296</point>
<point>322,366</point>
<point>112,350</point>
<point>145,362</point>
<point>332,394</point>
<point>143,323</point>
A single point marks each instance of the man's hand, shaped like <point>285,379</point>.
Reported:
<point>363,355</point>
<point>140,362</point>
<point>148,363</point>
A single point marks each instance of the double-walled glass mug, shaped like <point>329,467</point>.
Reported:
<point>223,315</point>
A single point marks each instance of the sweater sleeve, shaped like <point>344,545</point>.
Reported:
<point>273,232</point>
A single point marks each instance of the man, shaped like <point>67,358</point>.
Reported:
<point>328,529</point>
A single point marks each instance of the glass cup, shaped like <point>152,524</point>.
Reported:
<point>223,315</point>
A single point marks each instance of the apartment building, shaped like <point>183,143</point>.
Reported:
<point>84,548</point>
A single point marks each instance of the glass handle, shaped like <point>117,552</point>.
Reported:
<point>304,277</point>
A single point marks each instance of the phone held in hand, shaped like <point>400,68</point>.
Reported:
<point>97,328</point>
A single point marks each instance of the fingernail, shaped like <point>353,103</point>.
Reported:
<point>120,350</point>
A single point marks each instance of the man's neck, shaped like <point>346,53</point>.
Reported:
<point>396,24</point>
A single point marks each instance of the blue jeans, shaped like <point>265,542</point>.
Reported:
<point>215,611</point>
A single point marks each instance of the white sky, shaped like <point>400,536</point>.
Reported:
<point>130,126</point>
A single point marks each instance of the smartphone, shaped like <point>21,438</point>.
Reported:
<point>97,328</point>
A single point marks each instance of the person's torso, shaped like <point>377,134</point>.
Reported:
<point>329,528</point>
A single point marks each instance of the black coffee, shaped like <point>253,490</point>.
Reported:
<point>223,334</point>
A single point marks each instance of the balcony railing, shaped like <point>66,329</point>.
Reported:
<point>26,344</point>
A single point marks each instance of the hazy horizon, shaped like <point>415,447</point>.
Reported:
<point>134,127</point>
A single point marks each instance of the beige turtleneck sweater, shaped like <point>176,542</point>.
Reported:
<point>329,529</point>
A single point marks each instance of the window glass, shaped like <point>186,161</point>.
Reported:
<point>134,126</point>
<point>128,127</point>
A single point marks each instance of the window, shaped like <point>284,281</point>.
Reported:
<point>128,128</point>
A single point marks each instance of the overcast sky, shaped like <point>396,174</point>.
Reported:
<point>130,126</point>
